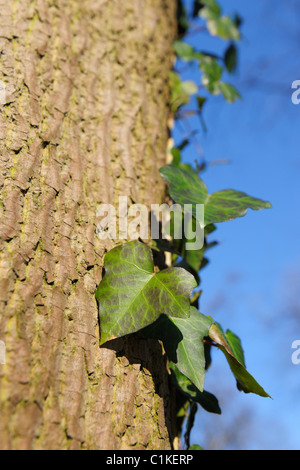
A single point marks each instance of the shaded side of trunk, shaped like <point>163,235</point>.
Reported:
<point>84,121</point>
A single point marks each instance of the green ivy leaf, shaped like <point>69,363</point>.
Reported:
<point>186,187</point>
<point>218,25</point>
<point>185,51</point>
<point>190,352</point>
<point>180,91</point>
<point>183,343</point>
<point>235,359</point>
<point>131,296</point>
<point>207,400</point>
<point>230,204</point>
<point>176,154</point>
<point>211,10</point>
<point>212,73</point>
<point>231,58</point>
<point>189,87</point>
<point>236,346</point>
<point>195,447</point>
<point>223,27</point>
<point>229,92</point>
<point>201,102</point>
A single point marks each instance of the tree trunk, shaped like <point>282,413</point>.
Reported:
<point>84,121</point>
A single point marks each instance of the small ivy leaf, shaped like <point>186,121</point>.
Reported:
<point>231,58</point>
<point>236,346</point>
<point>131,296</point>
<point>229,92</point>
<point>223,27</point>
<point>195,447</point>
<point>176,154</point>
<point>186,187</point>
<point>229,204</point>
<point>212,73</point>
<point>184,51</point>
<point>207,400</point>
<point>189,87</point>
<point>211,10</point>
<point>218,25</point>
<point>235,359</point>
<point>180,91</point>
<point>178,97</point>
<point>190,351</point>
<point>201,102</point>
<point>211,80</point>
<point>184,344</point>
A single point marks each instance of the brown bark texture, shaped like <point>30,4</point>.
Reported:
<point>84,120</point>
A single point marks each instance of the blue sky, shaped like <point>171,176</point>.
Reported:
<point>253,278</point>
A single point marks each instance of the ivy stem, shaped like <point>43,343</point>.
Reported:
<point>210,343</point>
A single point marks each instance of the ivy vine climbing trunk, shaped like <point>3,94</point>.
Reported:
<point>84,121</point>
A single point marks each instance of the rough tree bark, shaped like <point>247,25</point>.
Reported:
<point>84,121</point>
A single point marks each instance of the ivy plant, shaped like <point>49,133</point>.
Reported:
<point>186,187</point>
<point>133,296</point>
